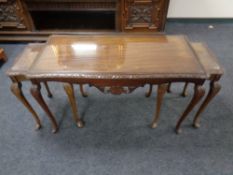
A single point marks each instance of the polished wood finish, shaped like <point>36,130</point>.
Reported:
<point>24,60</point>
<point>2,55</point>
<point>184,93</point>
<point>209,62</point>
<point>18,22</point>
<point>70,93</point>
<point>148,94</point>
<point>214,71</point>
<point>50,95</point>
<point>162,89</point>
<point>114,64</point>
<point>199,92</point>
<point>169,88</point>
<point>35,91</point>
<point>16,89</point>
<point>84,94</point>
<point>213,91</point>
<point>117,56</point>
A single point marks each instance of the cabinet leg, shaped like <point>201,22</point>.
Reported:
<point>48,90</point>
<point>35,91</point>
<point>16,89</point>
<point>162,89</point>
<point>148,94</point>
<point>69,89</point>
<point>213,91</point>
<point>199,92</point>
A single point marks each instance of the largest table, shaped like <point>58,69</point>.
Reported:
<point>117,64</point>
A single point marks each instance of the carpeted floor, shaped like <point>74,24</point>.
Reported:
<point>116,139</point>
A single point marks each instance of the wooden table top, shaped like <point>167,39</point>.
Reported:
<point>117,56</point>
<point>25,59</point>
<point>208,59</point>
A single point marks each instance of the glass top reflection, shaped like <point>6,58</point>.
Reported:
<point>117,54</point>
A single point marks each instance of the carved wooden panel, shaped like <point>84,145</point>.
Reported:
<point>144,14</point>
<point>116,90</point>
<point>12,15</point>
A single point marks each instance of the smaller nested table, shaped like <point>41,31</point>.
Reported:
<point>214,72</point>
<point>17,73</point>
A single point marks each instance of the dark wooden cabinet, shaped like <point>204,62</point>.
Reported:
<point>144,15</point>
<point>36,19</point>
<point>13,16</point>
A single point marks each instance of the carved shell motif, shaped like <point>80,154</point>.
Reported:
<point>116,90</point>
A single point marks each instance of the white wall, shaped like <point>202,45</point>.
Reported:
<point>200,9</point>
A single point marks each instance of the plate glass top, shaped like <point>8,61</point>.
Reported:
<point>25,59</point>
<point>113,54</point>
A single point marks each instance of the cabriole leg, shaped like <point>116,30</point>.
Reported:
<point>148,94</point>
<point>162,89</point>
<point>69,89</point>
<point>213,91</point>
<point>199,92</point>
<point>84,94</point>
<point>35,91</point>
<point>169,87</point>
<point>16,89</point>
<point>184,92</point>
<point>48,90</point>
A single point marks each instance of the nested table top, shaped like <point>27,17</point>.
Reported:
<point>117,56</point>
<point>25,59</point>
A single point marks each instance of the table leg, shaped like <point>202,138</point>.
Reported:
<point>48,90</point>
<point>148,94</point>
<point>199,92</point>
<point>162,89</point>
<point>69,89</point>
<point>3,55</point>
<point>16,89</point>
<point>213,91</point>
<point>169,87</point>
<point>35,91</point>
<point>84,94</point>
<point>184,92</point>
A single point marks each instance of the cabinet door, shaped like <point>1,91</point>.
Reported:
<point>144,15</point>
<point>13,16</point>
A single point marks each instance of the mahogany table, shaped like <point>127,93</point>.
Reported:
<point>117,64</point>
